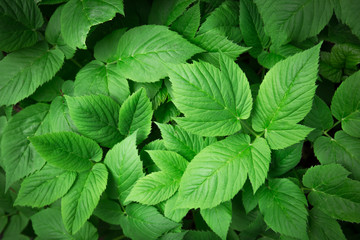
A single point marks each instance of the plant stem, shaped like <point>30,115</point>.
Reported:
<point>76,63</point>
<point>120,237</point>
<point>337,123</point>
<point>243,123</point>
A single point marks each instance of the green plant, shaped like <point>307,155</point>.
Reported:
<point>182,119</point>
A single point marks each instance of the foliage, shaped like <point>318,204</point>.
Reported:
<point>179,119</point>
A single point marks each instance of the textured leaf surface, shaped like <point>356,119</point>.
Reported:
<point>135,115</point>
<point>60,120</point>
<point>348,14</point>
<point>102,79</point>
<point>79,203</point>
<point>19,20</point>
<point>25,70</point>
<point>202,92</point>
<point>283,205</point>
<point>169,162</point>
<point>125,165</point>
<point>218,218</point>
<point>96,117</point>
<point>45,187</point>
<point>144,52</point>
<point>296,20</point>
<point>285,159</point>
<point>78,16</point>
<point>172,212</point>
<point>342,149</point>
<point>105,48</point>
<point>19,157</point>
<point>334,193</point>
<point>145,222</point>
<point>67,150</point>
<point>109,211</point>
<point>345,105</point>
<point>188,24</point>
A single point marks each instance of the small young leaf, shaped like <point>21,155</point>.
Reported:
<point>285,159</point>
<point>169,162</point>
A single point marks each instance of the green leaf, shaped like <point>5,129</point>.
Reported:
<point>327,70</point>
<point>164,12</point>
<point>283,205</point>
<point>321,226</point>
<point>172,212</point>
<point>124,165</point>
<point>59,116</point>
<point>173,236</point>
<point>200,235</point>
<point>25,70</point>
<point>345,56</point>
<point>224,20</point>
<point>96,117</point>
<point>202,92</point>
<point>67,150</point>
<point>345,105</point>
<point>19,20</point>
<point>285,98</point>
<point>297,21</point>
<point>135,115</point>
<point>333,193</point>
<point>98,78</point>
<point>188,24</point>
<point>109,211</point>
<point>186,144</point>
<point>105,48</point>
<point>78,16</point>
<point>206,181</point>
<point>218,218</point>
<point>19,157</point>
<point>45,187</point>
<point>252,27</point>
<point>79,203</point>
<point>145,222</point>
<point>342,149</point>
<point>49,91</point>
<point>285,159</point>
<point>169,162</point>
<point>48,224</point>
<point>348,14</point>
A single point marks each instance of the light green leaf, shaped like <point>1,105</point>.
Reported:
<point>143,59</point>
<point>145,222</point>
<point>96,117</point>
<point>109,211</point>
<point>172,212</point>
<point>25,70</point>
<point>188,24</point>
<point>170,162</point>
<point>216,174</point>
<point>67,150</point>
<point>78,16</point>
<point>252,27</point>
<point>164,12</point>
<point>102,79</point>
<point>268,59</point>
<point>348,13</point>
<point>18,156</point>
<point>173,236</point>
<point>59,116</point>
<point>135,115</point>
<point>285,98</point>
<point>296,21</point>
<point>345,105</point>
<point>285,159</point>
<point>19,20</point>
<point>218,218</point>
<point>79,203</point>
<point>105,48</point>
<point>321,226</point>
<point>283,205</point>
<point>334,193</point>
<point>213,101</point>
<point>124,165</point>
<point>45,187</point>
<point>342,149</point>
<point>224,20</point>
<point>186,144</point>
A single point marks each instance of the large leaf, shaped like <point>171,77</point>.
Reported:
<point>169,162</point>
<point>218,218</point>
<point>188,24</point>
<point>145,222</point>
<point>44,187</point>
<point>96,117</point>
<point>104,79</point>
<point>19,157</point>
<point>334,193</point>
<point>80,202</point>
<point>135,115</point>
<point>285,98</point>
<point>124,165</point>
<point>67,150</point>
<point>345,105</point>
<point>213,101</point>
<point>172,212</point>
<point>105,48</point>
<point>295,21</point>
<point>23,71</point>
<point>19,20</point>
<point>348,14</point>
<point>78,16</point>
<point>342,149</point>
<point>143,59</point>
<point>283,205</point>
